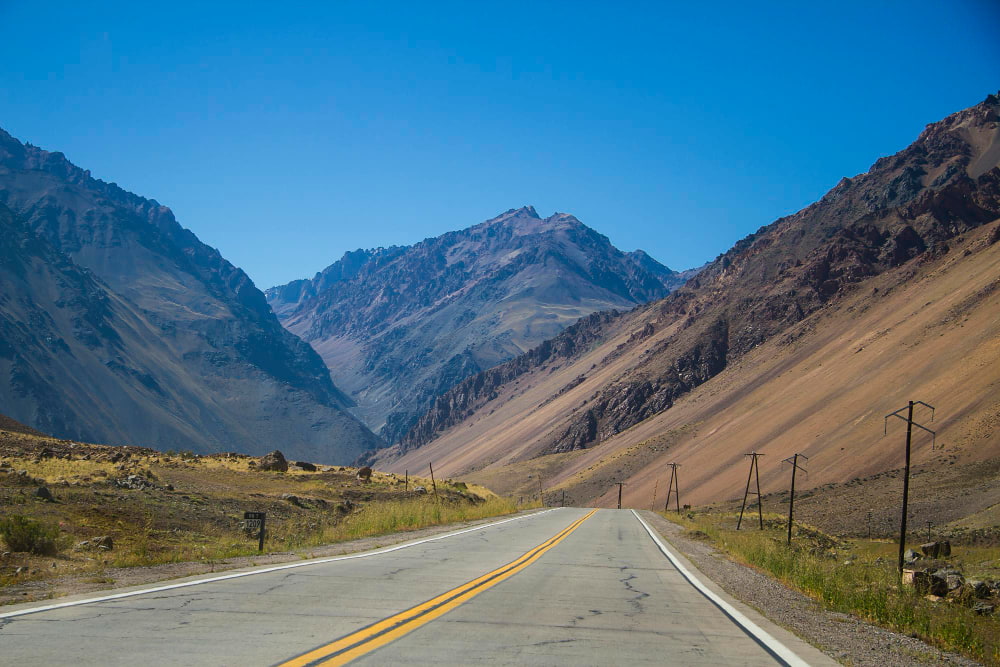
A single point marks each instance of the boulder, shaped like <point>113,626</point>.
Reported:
<point>275,461</point>
<point>978,589</point>
<point>931,549</point>
<point>305,465</point>
<point>365,474</point>
<point>420,489</point>
<point>937,585</point>
<point>983,608</point>
<point>104,543</point>
<point>926,582</point>
<point>954,582</point>
<point>910,555</point>
<point>43,493</point>
<point>293,499</point>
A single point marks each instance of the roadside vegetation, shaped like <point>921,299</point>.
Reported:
<point>858,577</point>
<point>86,510</point>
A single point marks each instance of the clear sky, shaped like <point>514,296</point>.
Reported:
<point>285,133</point>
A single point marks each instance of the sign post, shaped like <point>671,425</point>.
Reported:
<point>254,522</point>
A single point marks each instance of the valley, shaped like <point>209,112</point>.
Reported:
<point>799,339</point>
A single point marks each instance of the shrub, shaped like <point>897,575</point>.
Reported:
<point>24,534</point>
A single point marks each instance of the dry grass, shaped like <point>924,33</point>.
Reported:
<point>850,576</point>
<point>191,507</point>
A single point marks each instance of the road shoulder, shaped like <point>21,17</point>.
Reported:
<point>795,619</point>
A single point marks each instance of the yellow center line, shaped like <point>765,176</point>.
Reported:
<point>389,629</point>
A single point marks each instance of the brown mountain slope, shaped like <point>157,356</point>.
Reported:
<point>938,192</point>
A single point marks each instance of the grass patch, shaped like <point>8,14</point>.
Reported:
<point>23,534</point>
<point>853,577</point>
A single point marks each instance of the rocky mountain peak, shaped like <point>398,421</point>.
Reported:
<point>411,322</point>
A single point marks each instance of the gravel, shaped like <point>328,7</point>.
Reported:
<point>844,638</point>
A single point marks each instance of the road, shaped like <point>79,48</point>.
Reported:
<point>562,587</point>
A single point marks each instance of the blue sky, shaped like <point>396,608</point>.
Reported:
<point>287,133</point>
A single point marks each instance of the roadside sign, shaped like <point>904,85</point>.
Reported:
<point>253,522</point>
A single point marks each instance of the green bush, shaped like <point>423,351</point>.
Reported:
<point>24,534</point>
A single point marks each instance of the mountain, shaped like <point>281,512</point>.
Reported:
<point>798,339</point>
<point>399,326</point>
<point>117,325</point>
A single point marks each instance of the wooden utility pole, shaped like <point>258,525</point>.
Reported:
<point>541,499</point>
<point>794,460</point>
<point>754,468</point>
<point>906,472</point>
<point>674,487</point>
<point>407,487</point>
<point>620,485</point>
<point>433,483</point>
<point>652,503</point>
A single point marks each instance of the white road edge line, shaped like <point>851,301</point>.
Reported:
<point>762,636</point>
<point>276,568</point>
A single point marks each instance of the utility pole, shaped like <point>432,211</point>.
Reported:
<point>620,485</point>
<point>794,460</point>
<point>906,473</point>
<point>541,498</point>
<point>674,486</point>
<point>433,483</point>
<point>929,524</point>
<point>562,503</point>
<point>754,468</point>
<point>652,502</point>
<point>407,482</point>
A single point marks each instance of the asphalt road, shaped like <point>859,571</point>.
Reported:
<point>563,587</point>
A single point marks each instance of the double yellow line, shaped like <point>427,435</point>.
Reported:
<point>379,634</point>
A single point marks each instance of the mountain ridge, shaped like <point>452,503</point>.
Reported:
<point>229,354</point>
<point>399,326</point>
<point>909,205</point>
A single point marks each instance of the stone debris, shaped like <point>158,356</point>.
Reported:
<point>950,585</point>
<point>43,493</point>
<point>135,482</point>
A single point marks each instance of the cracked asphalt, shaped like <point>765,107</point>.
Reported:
<point>605,595</point>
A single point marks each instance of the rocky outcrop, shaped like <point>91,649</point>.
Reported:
<point>399,327</point>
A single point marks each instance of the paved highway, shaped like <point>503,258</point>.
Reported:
<point>561,587</point>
